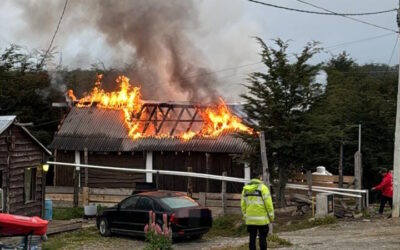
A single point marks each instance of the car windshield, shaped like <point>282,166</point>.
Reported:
<point>179,202</point>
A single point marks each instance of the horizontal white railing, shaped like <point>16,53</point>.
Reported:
<point>338,191</point>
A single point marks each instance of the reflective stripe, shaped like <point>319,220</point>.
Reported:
<point>271,214</point>
<point>253,202</point>
<point>256,217</point>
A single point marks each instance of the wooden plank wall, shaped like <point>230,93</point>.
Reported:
<point>23,153</point>
<point>101,178</point>
<point>179,161</point>
<point>107,197</point>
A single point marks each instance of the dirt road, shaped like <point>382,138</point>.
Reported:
<point>374,234</point>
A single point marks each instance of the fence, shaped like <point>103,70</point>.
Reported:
<point>322,180</point>
<point>64,196</point>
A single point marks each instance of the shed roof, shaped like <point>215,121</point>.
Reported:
<point>104,130</point>
<point>7,121</point>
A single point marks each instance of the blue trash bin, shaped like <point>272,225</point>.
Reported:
<point>48,209</point>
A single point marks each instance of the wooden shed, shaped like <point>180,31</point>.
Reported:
<point>98,136</point>
<point>21,175</point>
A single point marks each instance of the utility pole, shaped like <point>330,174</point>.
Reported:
<point>396,158</point>
<point>264,160</point>
<point>358,168</point>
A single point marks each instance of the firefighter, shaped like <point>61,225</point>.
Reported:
<point>258,211</point>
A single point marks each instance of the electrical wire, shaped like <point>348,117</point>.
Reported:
<point>393,50</point>
<point>348,17</point>
<point>221,70</point>
<point>358,41</point>
<point>323,13</point>
<point>54,35</point>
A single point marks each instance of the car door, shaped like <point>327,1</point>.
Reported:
<point>141,214</point>
<point>122,219</point>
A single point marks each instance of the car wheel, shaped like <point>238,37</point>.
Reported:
<point>103,228</point>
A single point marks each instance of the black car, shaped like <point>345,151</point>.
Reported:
<point>186,217</point>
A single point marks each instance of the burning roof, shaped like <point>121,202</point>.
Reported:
<point>122,121</point>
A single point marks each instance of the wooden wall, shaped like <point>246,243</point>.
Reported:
<point>178,161</point>
<point>218,163</point>
<point>17,152</point>
<point>101,178</point>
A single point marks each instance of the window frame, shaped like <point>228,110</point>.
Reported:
<point>32,184</point>
<point>129,198</point>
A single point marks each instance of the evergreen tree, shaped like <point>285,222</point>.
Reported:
<point>277,100</point>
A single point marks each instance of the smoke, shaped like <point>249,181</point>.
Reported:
<point>154,34</point>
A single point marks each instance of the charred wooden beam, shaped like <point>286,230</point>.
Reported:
<point>149,120</point>
<point>163,120</point>
<point>176,122</point>
<point>193,120</point>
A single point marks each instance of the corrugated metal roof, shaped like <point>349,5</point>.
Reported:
<point>104,130</point>
<point>6,121</point>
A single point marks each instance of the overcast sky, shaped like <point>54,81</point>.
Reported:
<point>224,34</point>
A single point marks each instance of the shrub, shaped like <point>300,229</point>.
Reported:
<point>158,238</point>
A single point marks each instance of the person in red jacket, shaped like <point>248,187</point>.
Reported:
<point>386,187</point>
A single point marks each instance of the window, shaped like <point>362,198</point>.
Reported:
<point>145,204</point>
<point>129,203</point>
<point>179,202</point>
<point>29,184</point>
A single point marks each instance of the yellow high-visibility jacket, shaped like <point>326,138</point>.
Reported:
<point>256,203</point>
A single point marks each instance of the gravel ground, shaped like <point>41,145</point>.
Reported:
<point>125,243</point>
<point>365,234</point>
<point>361,234</point>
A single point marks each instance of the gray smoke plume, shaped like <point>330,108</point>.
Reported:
<point>165,61</point>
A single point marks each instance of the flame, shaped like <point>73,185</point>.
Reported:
<point>128,99</point>
<point>216,120</point>
<point>219,120</point>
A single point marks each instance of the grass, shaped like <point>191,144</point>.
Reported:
<point>227,226</point>
<point>304,224</point>
<point>71,213</point>
<point>72,240</point>
<point>67,213</point>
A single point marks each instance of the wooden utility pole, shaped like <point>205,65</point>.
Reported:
<point>396,158</point>
<point>358,168</point>
<point>264,160</point>
<point>341,165</point>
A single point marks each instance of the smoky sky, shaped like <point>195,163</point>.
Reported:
<point>164,61</point>
<point>171,46</point>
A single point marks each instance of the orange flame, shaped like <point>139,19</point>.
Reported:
<point>220,120</point>
<point>216,120</point>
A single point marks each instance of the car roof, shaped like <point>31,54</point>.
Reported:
<point>162,194</point>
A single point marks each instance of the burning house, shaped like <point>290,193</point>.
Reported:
<point>119,129</point>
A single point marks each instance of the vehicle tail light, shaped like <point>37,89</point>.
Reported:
<point>173,219</point>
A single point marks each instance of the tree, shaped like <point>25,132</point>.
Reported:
<point>355,94</point>
<point>277,101</point>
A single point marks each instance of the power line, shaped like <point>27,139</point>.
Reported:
<point>221,70</point>
<point>323,13</point>
<point>348,17</point>
<point>54,35</point>
<point>393,50</point>
<point>359,41</point>
<point>259,62</point>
